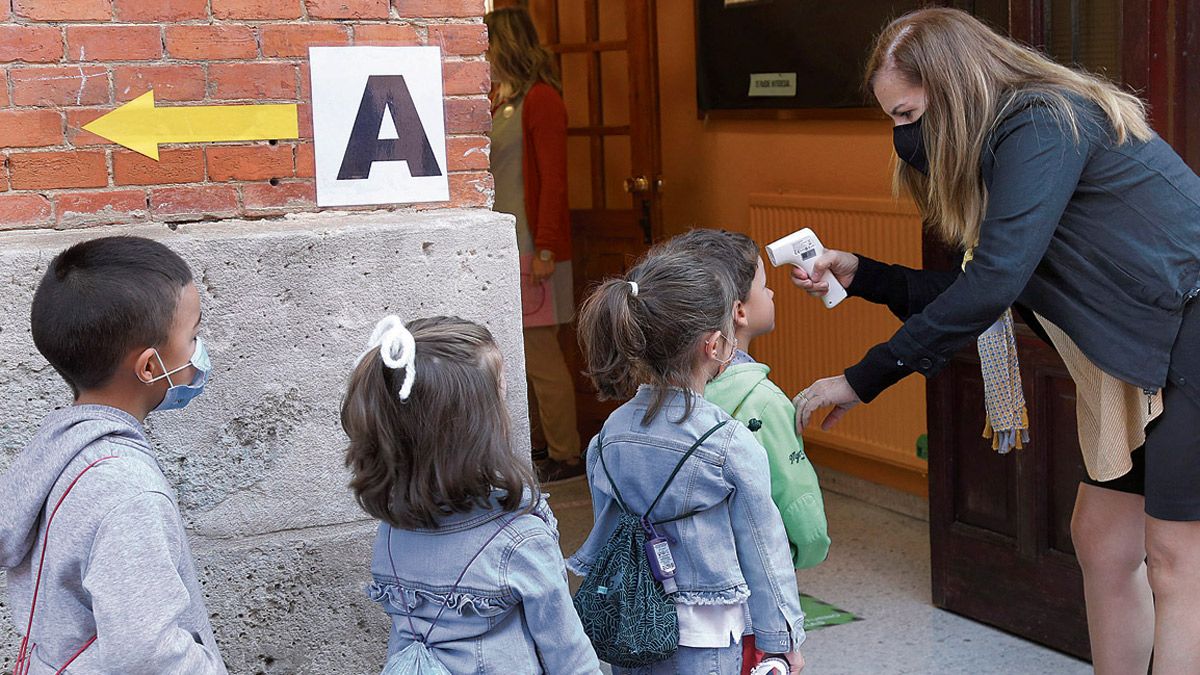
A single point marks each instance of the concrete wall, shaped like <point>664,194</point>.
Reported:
<point>257,460</point>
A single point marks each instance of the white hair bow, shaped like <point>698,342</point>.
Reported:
<point>397,349</point>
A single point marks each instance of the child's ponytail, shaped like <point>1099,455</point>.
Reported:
<point>643,328</point>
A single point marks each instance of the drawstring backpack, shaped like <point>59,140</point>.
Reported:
<point>417,658</point>
<point>625,611</point>
<point>25,656</point>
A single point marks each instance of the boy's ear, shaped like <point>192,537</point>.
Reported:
<point>739,314</point>
<point>146,366</point>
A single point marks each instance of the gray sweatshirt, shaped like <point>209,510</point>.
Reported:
<point>117,567</point>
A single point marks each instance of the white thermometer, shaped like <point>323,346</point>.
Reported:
<point>802,249</point>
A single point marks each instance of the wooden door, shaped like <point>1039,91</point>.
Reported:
<point>1000,525</point>
<point>607,54</point>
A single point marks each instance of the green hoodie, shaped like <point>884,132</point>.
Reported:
<point>745,393</point>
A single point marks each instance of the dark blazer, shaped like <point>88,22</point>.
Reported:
<point>1101,239</point>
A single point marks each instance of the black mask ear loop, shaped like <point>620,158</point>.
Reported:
<point>909,142</point>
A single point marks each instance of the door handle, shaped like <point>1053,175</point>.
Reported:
<point>638,185</point>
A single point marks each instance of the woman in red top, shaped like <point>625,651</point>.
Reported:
<point>529,163</point>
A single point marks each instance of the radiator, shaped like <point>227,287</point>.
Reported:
<point>810,342</point>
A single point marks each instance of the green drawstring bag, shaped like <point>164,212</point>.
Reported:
<point>625,612</point>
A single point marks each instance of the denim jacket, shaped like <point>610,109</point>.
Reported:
<point>512,612</point>
<point>734,547</point>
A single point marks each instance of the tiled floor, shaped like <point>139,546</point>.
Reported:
<point>878,568</point>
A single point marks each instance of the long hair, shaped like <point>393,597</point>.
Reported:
<point>972,77</point>
<point>517,58</point>
<point>651,337</point>
<point>444,449</point>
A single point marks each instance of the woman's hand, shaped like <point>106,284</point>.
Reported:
<point>843,266</point>
<point>541,270</point>
<point>831,391</point>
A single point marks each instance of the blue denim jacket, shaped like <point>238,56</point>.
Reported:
<point>734,547</point>
<point>512,612</point>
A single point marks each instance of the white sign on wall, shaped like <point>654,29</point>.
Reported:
<point>379,125</point>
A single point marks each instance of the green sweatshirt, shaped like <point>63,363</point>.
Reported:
<point>745,392</point>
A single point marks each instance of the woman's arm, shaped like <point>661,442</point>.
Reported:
<point>547,130</point>
<point>1035,168</point>
<point>904,290</point>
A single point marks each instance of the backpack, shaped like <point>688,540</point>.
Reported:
<point>417,658</point>
<point>625,611</point>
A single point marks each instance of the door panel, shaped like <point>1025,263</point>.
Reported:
<point>606,53</point>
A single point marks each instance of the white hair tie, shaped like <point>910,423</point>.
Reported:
<point>633,288</point>
<point>397,349</point>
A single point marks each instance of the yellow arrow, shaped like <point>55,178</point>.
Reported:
<point>139,126</point>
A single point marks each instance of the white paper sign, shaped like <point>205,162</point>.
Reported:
<point>772,84</point>
<point>379,125</point>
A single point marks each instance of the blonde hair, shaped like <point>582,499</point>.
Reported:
<point>517,58</point>
<point>972,76</point>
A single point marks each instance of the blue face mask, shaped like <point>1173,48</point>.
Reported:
<point>179,395</point>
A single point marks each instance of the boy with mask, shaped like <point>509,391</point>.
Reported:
<point>100,575</point>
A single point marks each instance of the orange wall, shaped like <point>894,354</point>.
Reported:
<point>710,167</point>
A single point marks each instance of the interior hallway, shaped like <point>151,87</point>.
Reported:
<point>878,569</point>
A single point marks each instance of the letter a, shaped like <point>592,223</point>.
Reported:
<point>383,93</point>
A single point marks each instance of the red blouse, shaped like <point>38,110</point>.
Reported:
<point>544,165</point>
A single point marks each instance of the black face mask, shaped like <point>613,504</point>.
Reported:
<point>910,145</point>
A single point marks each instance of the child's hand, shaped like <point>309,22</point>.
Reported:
<point>797,660</point>
<point>842,265</point>
<point>831,391</point>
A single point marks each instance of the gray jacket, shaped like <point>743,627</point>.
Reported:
<point>117,567</point>
<point>1099,238</point>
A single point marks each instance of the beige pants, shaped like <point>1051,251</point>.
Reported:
<point>550,384</point>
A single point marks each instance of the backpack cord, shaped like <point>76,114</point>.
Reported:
<point>25,656</point>
<point>425,640</point>
<point>670,479</point>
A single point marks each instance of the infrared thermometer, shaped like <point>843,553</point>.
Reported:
<point>802,249</point>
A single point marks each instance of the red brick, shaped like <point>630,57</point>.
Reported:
<point>468,116</point>
<point>5,11</point>
<point>60,85</point>
<point>64,10</point>
<point>262,80</point>
<point>386,35</point>
<point>466,77</point>
<point>3,173</point>
<point>18,211</point>
<point>78,117</point>
<point>306,163</point>
<point>260,196</point>
<point>170,83</point>
<point>438,8</point>
<point>30,128</point>
<point>194,203</point>
<point>249,162</point>
<point>305,81</point>
<point>347,9</point>
<point>88,209</point>
<point>256,9</point>
<point>184,165</point>
<point>211,42</point>
<point>468,153</point>
<point>471,189</point>
<point>31,44</point>
<point>48,170</point>
<point>463,39</point>
<point>160,11</point>
<point>304,112</point>
<point>295,39</point>
<point>114,43</point>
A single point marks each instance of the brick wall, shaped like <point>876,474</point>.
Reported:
<point>66,62</point>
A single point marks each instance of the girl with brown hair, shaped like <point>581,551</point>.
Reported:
<point>466,561</point>
<point>653,339</point>
<point>1067,206</point>
<point>529,163</point>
